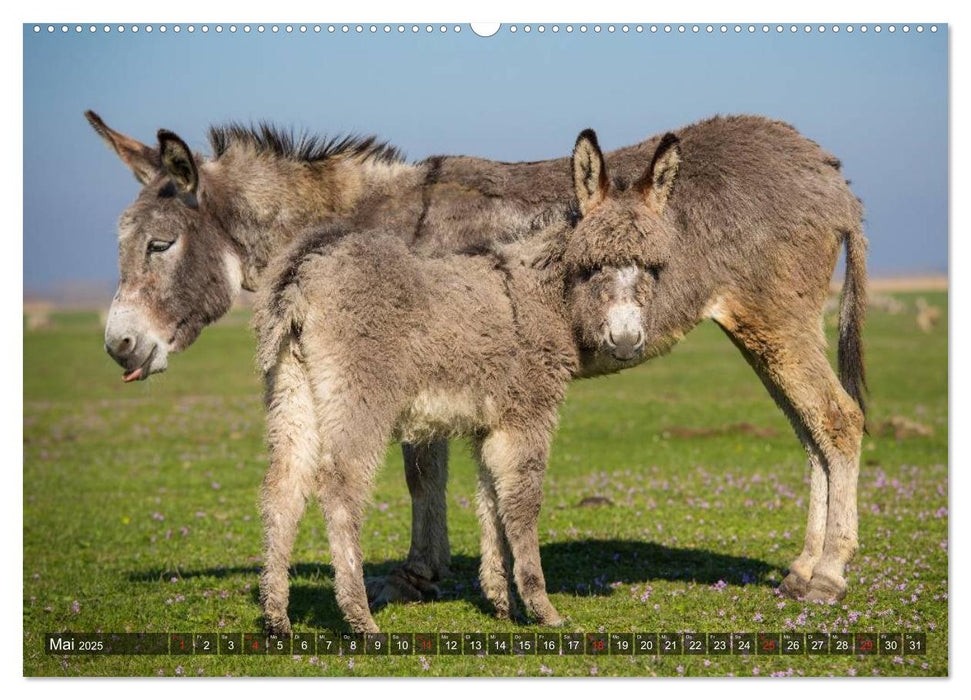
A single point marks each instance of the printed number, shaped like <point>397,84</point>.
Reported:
<point>792,645</point>
<point>914,644</point>
<point>669,644</point>
<point>231,645</point>
<point>720,645</point>
<point>304,646</point>
<point>205,645</point>
<point>622,644</point>
<point>329,643</point>
<point>549,645</point>
<point>475,644</point>
<point>574,644</point>
<point>842,645</point>
<point>694,645</point>
<point>744,644</point>
<point>647,645</point>
<point>451,645</point>
<point>377,645</point>
<point>817,644</point>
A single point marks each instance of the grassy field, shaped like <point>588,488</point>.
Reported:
<point>140,512</point>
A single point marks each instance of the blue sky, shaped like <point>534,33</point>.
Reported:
<point>877,101</point>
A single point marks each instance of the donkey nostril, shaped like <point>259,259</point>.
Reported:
<point>610,339</point>
<point>125,347</point>
<point>640,339</point>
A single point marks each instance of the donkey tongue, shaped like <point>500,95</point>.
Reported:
<point>133,375</point>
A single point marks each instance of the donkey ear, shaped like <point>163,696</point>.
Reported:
<point>589,171</point>
<point>177,162</point>
<point>143,160</point>
<point>658,181</point>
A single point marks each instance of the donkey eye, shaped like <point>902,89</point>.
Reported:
<point>158,246</point>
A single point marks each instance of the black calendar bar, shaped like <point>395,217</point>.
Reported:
<point>490,644</point>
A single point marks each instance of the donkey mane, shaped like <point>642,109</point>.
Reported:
<point>266,138</point>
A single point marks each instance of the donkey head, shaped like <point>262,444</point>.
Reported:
<point>179,269</point>
<point>619,247</point>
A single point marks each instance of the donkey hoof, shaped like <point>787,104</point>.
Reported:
<point>794,586</point>
<point>823,589</point>
<point>552,620</point>
<point>278,627</point>
<point>368,626</point>
<point>502,614</point>
<point>399,587</point>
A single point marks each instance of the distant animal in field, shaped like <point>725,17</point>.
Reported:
<point>363,341</point>
<point>928,315</point>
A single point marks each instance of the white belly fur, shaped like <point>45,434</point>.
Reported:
<point>436,415</point>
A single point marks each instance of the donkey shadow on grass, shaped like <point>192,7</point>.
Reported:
<point>580,568</point>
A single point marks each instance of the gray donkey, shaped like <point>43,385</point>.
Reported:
<point>760,219</point>
<point>201,229</point>
<point>363,340</point>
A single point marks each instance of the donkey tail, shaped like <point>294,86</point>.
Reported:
<point>852,313</point>
<point>278,316</point>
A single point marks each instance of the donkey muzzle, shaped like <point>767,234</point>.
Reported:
<point>624,336</point>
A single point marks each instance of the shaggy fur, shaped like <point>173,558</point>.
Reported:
<point>757,213</point>
<point>264,187</point>
<point>386,343</point>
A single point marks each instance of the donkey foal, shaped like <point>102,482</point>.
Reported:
<point>362,341</point>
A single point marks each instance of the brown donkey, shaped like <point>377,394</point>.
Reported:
<point>759,218</point>
<point>201,229</point>
<point>362,340</point>
<point>756,223</point>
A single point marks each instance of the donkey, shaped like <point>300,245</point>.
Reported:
<point>202,229</point>
<point>769,214</point>
<point>758,219</point>
<point>361,339</point>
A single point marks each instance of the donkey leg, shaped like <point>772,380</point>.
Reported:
<point>426,472</point>
<point>343,488</point>
<point>796,582</point>
<point>293,447</point>
<point>843,425</point>
<point>517,462</point>
<point>795,369</point>
<point>496,562</point>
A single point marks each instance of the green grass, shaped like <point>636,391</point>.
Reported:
<point>140,512</point>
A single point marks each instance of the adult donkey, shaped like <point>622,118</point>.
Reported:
<point>203,228</point>
<point>761,213</point>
